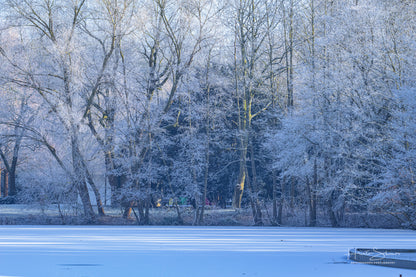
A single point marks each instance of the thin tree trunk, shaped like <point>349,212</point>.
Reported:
<point>255,204</point>
<point>281,203</point>
<point>207,142</point>
<point>196,214</point>
<point>280,212</point>
<point>259,216</point>
<point>6,184</point>
<point>275,216</point>
<point>12,182</point>
<point>311,203</point>
<point>332,215</point>
<point>178,212</point>
<point>239,188</point>
<point>292,192</point>
<point>147,203</point>
<point>288,33</point>
<point>313,215</point>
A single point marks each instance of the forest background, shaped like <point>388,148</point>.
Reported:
<point>300,112</point>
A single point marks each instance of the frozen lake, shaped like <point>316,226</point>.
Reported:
<point>193,251</point>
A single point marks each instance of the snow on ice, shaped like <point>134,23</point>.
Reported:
<point>193,251</point>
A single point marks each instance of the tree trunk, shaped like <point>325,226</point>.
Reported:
<point>312,209</point>
<point>79,179</point>
<point>97,194</point>
<point>196,214</point>
<point>255,204</point>
<point>275,216</point>
<point>146,218</point>
<point>178,212</point>
<point>332,215</point>
<point>311,203</point>
<point>239,188</point>
<point>280,212</point>
<point>288,31</point>
<point>10,171</point>
<point>281,203</point>
<point>12,182</point>
<point>6,184</point>
<point>113,180</point>
<point>128,206</point>
<point>242,176</point>
<point>292,192</point>
<point>89,180</point>
<point>313,215</point>
<point>85,199</point>
<point>115,186</point>
<point>207,144</point>
<point>259,217</point>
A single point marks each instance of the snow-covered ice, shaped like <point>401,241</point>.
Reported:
<point>193,251</point>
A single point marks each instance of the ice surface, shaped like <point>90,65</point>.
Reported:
<point>193,251</point>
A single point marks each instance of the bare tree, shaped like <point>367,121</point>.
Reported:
<point>254,21</point>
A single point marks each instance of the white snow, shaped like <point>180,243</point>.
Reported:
<point>193,251</point>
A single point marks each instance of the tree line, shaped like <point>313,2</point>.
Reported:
<point>300,109</point>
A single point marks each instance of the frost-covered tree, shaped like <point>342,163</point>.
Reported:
<point>341,121</point>
<point>54,72</point>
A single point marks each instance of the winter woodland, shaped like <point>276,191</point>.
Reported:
<point>296,110</point>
